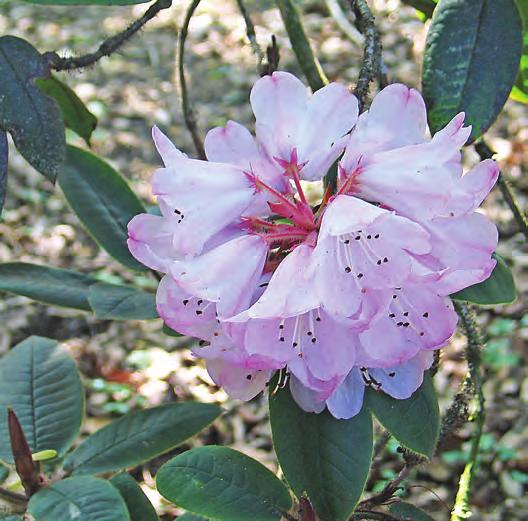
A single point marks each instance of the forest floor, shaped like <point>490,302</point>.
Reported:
<point>133,365</point>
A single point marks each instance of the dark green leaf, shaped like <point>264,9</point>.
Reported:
<point>87,2</point>
<point>83,498</point>
<point>40,382</point>
<point>102,200</point>
<point>414,422</point>
<point>326,458</point>
<point>116,302</point>
<point>76,116</point>
<point>140,436</point>
<point>170,332</point>
<point>222,483</point>
<point>471,60</point>
<point>4,152</point>
<point>33,119</point>
<point>139,507</point>
<point>498,289</point>
<point>50,285</point>
<point>409,512</point>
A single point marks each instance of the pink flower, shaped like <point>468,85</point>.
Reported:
<point>360,280</point>
<point>346,400</point>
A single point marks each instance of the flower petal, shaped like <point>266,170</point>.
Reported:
<point>417,319</point>
<point>166,149</point>
<point>200,198</point>
<point>402,380</point>
<point>150,241</point>
<point>347,400</point>
<point>290,291</point>
<point>279,102</point>
<point>396,118</point>
<point>185,313</point>
<point>220,277</point>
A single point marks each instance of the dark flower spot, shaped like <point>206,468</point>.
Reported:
<point>249,377</point>
<point>348,269</point>
<point>392,375</point>
<point>426,314</point>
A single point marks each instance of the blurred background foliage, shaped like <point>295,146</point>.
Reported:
<point>133,365</point>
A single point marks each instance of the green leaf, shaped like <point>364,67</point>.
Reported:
<point>520,89</point>
<point>140,436</point>
<point>40,381</point>
<point>471,60</point>
<point>116,302</point>
<point>4,153</point>
<point>50,285</point>
<point>83,498</point>
<point>326,458</point>
<point>414,422</point>
<point>76,116</point>
<point>33,119</point>
<point>139,507</point>
<point>499,288</point>
<point>11,518</point>
<point>102,200</point>
<point>87,2</point>
<point>222,483</point>
<point>409,512</point>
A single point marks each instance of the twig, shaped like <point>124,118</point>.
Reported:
<point>13,497</point>
<point>343,23</point>
<point>250,33</point>
<point>425,6</point>
<point>371,63</point>
<point>461,509</point>
<point>301,46</point>
<point>485,152</point>
<point>370,514</point>
<point>273,58</point>
<point>188,113</point>
<point>109,46</point>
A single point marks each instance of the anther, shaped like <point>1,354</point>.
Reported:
<point>249,377</point>
<point>378,262</point>
<point>198,311</point>
<point>385,259</point>
<point>185,302</point>
<point>348,269</point>
<point>360,275</point>
<point>426,314</point>
<point>314,340</point>
<point>392,375</point>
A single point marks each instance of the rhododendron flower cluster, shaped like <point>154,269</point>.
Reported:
<point>348,291</point>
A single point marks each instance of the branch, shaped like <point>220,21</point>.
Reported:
<point>188,113</point>
<point>425,6</point>
<point>369,514</point>
<point>485,152</point>
<point>250,33</point>
<point>343,23</point>
<point>461,509</point>
<point>301,46</point>
<point>109,46</point>
<point>273,58</point>
<point>411,461</point>
<point>371,64</point>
